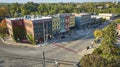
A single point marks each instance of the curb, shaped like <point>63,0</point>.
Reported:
<point>89,51</point>
<point>85,52</point>
<point>4,41</point>
<point>25,45</point>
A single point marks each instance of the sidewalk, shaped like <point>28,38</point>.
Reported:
<point>89,51</point>
<point>75,34</point>
<point>11,42</point>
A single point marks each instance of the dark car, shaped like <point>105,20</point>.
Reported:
<point>62,36</point>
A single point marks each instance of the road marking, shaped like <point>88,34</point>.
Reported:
<point>65,48</point>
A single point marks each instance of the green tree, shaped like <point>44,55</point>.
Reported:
<point>62,11</point>
<point>109,38</point>
<point>98,34</point>
<point>17,35</point>
<point>107,55</point>
<point>31,38</point>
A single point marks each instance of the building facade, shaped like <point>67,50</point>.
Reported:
<point>37,27</point>
<point>62,24</point>
<point>72,21</point>
<point>82,20</point>
<point>107,16</point>
<point>56,26</point>
<point>16,28</point>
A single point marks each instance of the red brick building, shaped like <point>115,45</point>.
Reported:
<point>16,28</point>
<point>19,28</point>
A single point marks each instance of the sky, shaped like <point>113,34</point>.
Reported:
<point>53,1</point>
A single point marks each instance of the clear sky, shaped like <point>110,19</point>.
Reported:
<point>52,1</point>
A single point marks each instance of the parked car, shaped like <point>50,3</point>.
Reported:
<point>62,36</point>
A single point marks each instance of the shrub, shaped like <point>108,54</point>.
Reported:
<point>93,61</point>
<point>99,61</point>
<point>97,51</point>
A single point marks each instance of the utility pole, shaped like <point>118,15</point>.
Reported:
<point>44,59</point>
<point>44,34</point>
<point>45,40</point>
<point>44,44</point>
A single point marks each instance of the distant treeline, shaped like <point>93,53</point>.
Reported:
<point>30,8</point>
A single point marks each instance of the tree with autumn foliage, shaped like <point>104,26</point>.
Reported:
<point>3,28</point>
<point>3,12</point>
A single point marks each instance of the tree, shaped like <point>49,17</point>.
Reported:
<point>62,11</point>
<point>107,55</point>
<point>16,14</point>
<point>98,34</point>
<point>3,12</point>
<point>52,12</point>
<point>17,35</point>
<point>30,38</point>
<point>92,61</point>
<point>3,28</point>
<point>109,38</point>
<point>98,61</point>
<point>117,20</point>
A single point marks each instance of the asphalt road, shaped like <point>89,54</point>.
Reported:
<point>21,57</point>
<point>51,52</point>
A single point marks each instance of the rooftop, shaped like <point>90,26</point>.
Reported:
<point>106,14</point>
<point>15,18</point>
<point>40,18</point>
<point>29,17</point>
<point>80,14</point>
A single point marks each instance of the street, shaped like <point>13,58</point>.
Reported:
<point>65,52</point>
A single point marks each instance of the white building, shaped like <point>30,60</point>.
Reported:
<point>107,16</point>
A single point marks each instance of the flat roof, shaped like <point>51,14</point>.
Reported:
<point>40,18</point>
<point>35,18</point>
<point>19,18</point>
<point>80,14</point>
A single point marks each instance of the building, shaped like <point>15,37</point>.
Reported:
<point>82,20</point>
<point>40,28</point>
<point>62,23</point>
<point>68,21</point>
<point>107,16</point>
<point>71,21</point>
<point>16,28</point>
<point>56,26</point>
